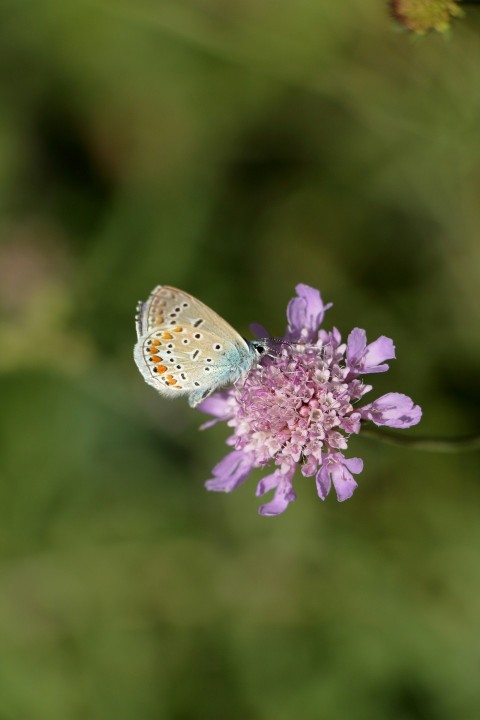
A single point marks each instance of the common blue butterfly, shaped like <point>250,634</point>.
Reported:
<point>185,348</point>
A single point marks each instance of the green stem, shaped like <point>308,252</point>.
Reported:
<point>464,443</point>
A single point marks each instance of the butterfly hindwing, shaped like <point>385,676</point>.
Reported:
<point>185,360</point>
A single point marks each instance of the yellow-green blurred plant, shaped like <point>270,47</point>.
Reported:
<point>421,16</point>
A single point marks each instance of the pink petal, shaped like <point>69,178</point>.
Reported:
<point>305,314</point>
<point>343,482</point>
<point>379,350</point>
<point>355,465</point>
<point>219,405</point>
<point>230,472</point>
<point>268,483</point>
<point>259,331</point>
<point>356,346</point>
<point>310,466</point>
<point>392,410</point>
<point>338,469</point>
<point>324,482</point>
<point>363,358</point>
<point>284,495</point>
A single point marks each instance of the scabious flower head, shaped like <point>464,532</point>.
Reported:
<point>301,404</point>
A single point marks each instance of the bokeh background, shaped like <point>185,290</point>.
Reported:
<point>232,149</point>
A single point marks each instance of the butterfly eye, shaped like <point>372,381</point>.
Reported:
<point>260,349</point>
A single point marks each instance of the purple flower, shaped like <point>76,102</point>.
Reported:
<point>299,407</point>
<point>305,314</point>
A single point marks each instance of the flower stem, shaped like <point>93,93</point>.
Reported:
<point>463,443</point>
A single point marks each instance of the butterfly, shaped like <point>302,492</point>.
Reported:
<point>185,348</point>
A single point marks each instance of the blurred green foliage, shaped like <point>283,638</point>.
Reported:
<point>233,150</point>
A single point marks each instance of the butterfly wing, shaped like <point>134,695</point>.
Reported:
<point>168,306</point>
<point>184,347</point>
<point>183,360</point>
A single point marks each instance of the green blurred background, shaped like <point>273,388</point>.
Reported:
<point>232,149</point>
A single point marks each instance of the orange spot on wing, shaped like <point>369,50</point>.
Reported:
<point>178,329</point>
<point>171,380</point>
<point>167,336</point>
<point>156,342</point>
<point>161,369</point>
<point>156,358</point>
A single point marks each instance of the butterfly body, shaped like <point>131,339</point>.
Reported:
<point>185,348</point>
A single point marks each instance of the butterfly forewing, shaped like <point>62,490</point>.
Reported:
<point>169,307</point>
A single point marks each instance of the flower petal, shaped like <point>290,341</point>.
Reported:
<point>363,358</point>
<point>259,331</point>
<point>305,314</point>
<point>343,482</point>
<point>393,410</point>
<point>351,423</point>
<point>324,482</point>
<point>337,469</point>
<point>355,465</point>
<point>231,472</point>
<point>268,483</point>
<point>332,339</point>
<point>356,346</point>
<point>310,466</point>
<point>378,351</point>
<point>220,405</point>
<point>284,494</point>
<point>336,440</point>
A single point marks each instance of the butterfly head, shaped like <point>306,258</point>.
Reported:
<point>265,347</point>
